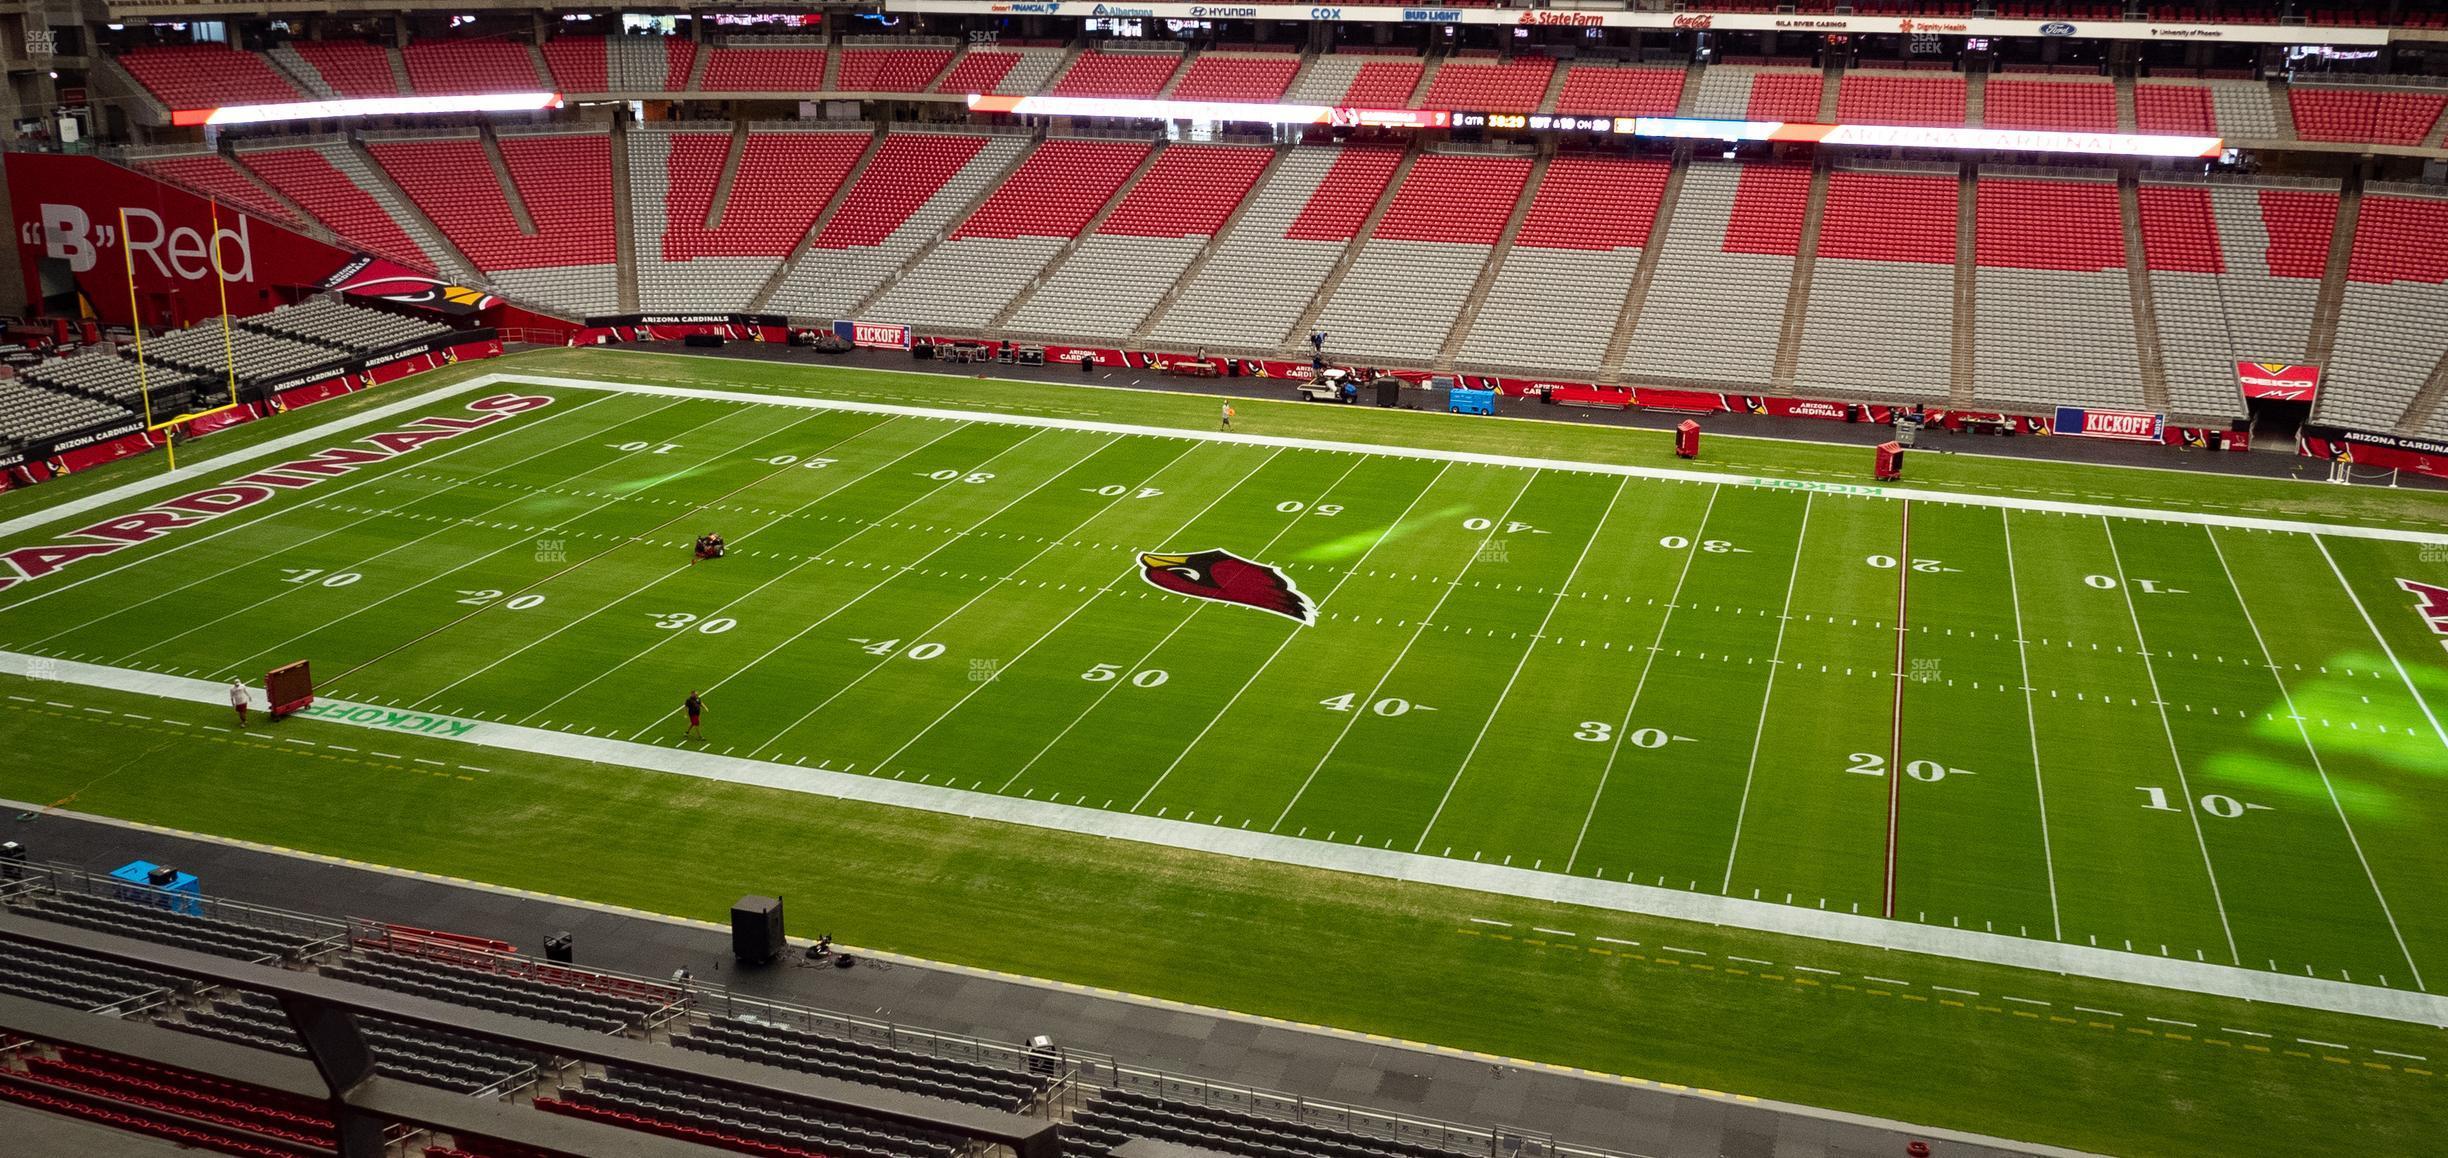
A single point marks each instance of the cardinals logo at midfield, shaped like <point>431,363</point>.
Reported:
<point>1228,578</point>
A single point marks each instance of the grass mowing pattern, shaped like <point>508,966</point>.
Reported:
<point>1423,606</point>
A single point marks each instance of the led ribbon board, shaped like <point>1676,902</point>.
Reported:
<point>1265,114</point>
<point>1689,128</point>
<point>500,102</point>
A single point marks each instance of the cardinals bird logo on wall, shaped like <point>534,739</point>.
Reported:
<point>1228,578</point>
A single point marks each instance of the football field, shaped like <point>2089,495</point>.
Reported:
<point>2198,739</point>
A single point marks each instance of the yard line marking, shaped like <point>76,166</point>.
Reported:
<point>1261,669</point>
<point>1497,708</point>
<point>2031,727</point>
<point>1886,981</point>
<point>2406,1056</point>
<point>2025,1001</point>
<point>1749,960</point>
<point>1536,887</point>
<point>700,508</point>
<point>2385,647</point>
<point>1895,721</point>
<point>2192,810</point>
<point>1615,747</point>
<point>1511,461</point>
<point>1093,594</point>
<point>2170,1021</point>
<point>1615,941</point>
<point>1041,552</point>
<point>1776,661</point>
<point>1485,921</point>
<point>2101,1012</point>
<point>1150,653</point>
<point>1379,687</point>
<point>1814,969</point>
<point>1693,952</point>
<point>2287,698</point>
<point>2245,1032</point>
<point>1552,932</point>
<point>421,585</point>
<point>1958,992</point>
<point>307,502</point>
<point>2323,1044</point>
<point>892,573</point>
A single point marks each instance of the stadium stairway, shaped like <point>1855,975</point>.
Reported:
<point>1490,269</point>
<point>1976,98</point>
<point>1215,242</point>
<point>1297,339</point>
<point>509,186</point>
<point>2138,291</point>
<point>2326,309</point>
<point>918,257</point>
<point>1967,288</point>
<point>624,221</point>
<point>2127,119</point>
<point>760,300</point>
<point>1806,267</point>
<point>1044,274</point>
<point>2422,414</point>
<point>1619,342</point>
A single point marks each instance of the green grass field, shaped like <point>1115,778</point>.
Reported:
<point>2211,743</point>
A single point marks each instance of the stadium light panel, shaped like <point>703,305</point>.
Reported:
<point>500,102</point>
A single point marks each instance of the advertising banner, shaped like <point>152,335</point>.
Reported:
<point>873,335</point>
<point>1813,23</point>
<point>2278,381</point>
<point>2376,451</point>
<point>2130,425</point>
<point>69,219</point>
<point>381,279</point>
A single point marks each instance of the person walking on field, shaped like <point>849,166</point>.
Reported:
<point>1228,416</point>
<point>238,700</point>
<point>695,707</point>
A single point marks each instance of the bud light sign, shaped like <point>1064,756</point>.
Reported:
<point>873,335</point>
<point>2131,425</point>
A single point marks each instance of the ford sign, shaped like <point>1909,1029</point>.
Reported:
<point>2057,28</point>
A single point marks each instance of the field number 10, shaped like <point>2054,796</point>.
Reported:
<point>2223,807</point>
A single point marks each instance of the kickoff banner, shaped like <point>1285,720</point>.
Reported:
<point>69,234</point>
<point>2130,425</point>
<point>873,335</point>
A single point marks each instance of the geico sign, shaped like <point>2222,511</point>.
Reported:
<point>68,233</point>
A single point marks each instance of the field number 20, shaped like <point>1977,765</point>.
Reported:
<point>1926,771</point>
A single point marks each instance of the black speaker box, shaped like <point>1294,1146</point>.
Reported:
<point>560,949</point>
<point>702,340</point>
<point>756,930</point>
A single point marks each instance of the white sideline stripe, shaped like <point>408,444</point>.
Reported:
<point>1758,916</point>
<point>1917,495</point>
